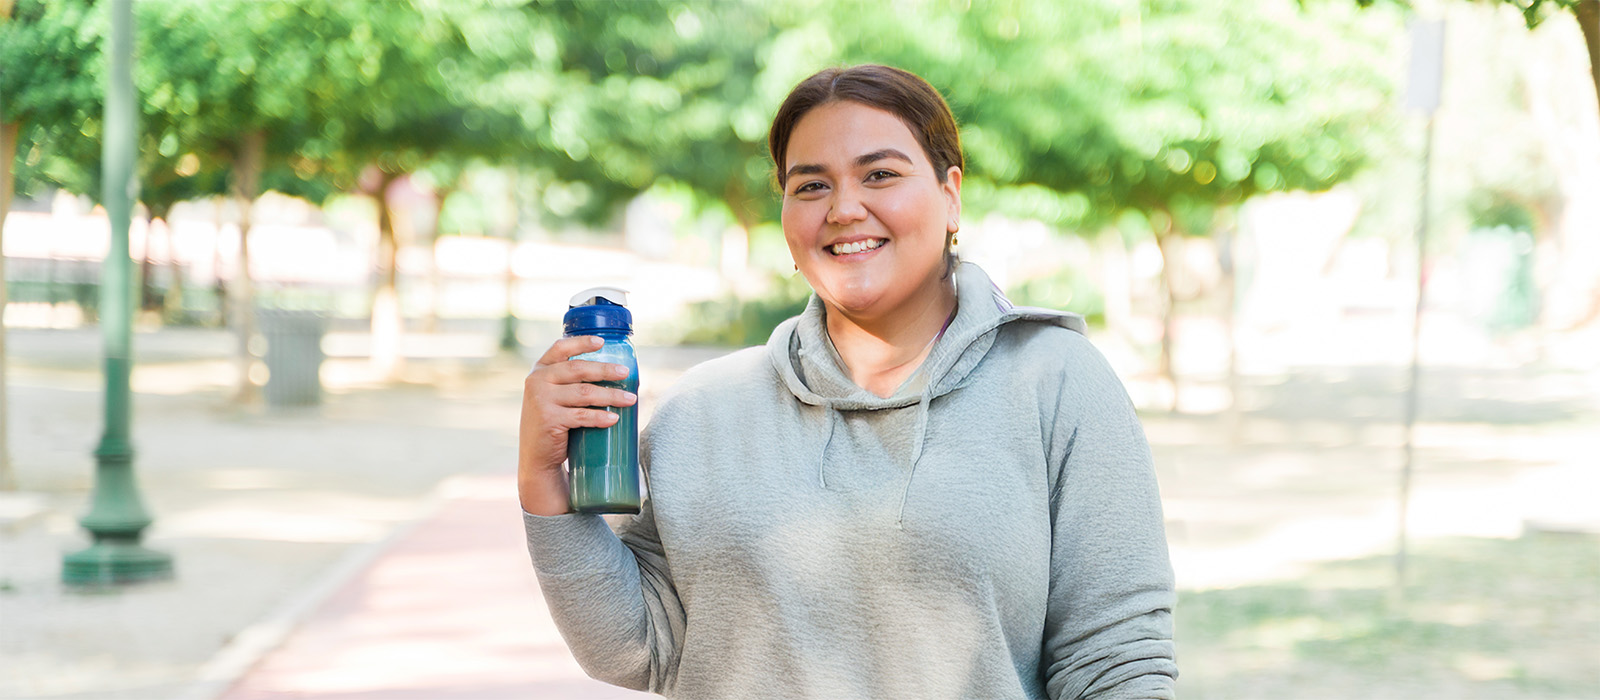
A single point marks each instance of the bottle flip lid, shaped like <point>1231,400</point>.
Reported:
<point>593,295</point>
<point>598,309</point>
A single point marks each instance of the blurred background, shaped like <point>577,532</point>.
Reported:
<point>357,225</point>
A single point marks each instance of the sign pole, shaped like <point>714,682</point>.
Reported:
<point>1422,95</point>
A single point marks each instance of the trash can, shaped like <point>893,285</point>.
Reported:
<point>294,356</point>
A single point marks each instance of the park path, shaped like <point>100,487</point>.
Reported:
<point>449,610</point>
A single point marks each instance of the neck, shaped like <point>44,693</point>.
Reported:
<point>880,353</point>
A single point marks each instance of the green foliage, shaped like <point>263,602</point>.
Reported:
<point>1492,209</point>
<point>52,59</point>
<point>1073,116</point>
<point>660,90</point>
<point>1069,290</point>
<point>735,322</point>
<point>1534,12</point>
<point>51,83</point>
<point>1076,115</point>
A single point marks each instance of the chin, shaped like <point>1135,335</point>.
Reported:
<point>854,301</point>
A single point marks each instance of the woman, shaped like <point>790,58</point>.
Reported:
<point>914,490</point>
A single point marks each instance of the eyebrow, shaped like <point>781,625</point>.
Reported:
<point>864,159</point>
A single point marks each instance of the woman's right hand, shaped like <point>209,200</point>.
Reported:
<point>559,395</point>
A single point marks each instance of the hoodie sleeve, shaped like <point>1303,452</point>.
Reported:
<point>1108,627</point>
<point>611,595</point>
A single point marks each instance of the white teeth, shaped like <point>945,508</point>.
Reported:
<point>856,247</point>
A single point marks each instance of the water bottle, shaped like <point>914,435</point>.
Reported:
<point>603,463</point>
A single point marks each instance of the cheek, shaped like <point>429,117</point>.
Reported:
<point>799,223</point>
<point>793,234</point>
<point>917,219</point>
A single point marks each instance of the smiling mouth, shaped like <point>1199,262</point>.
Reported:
<point>856,247</point>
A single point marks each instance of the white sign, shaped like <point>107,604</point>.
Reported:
<point>1427,66</point>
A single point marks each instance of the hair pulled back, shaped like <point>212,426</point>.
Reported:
<point>898,92</point>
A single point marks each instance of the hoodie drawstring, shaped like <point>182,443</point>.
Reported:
<point>828,412</point>
<point>920,437</point>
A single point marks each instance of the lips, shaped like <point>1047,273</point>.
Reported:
<point>854,247</point>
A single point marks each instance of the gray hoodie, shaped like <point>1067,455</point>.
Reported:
<point>992,530</point>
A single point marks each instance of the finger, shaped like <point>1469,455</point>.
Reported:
<point>567,347</point>
<point>587,395</point>
<point>573,371</point>
<point>590,418</point>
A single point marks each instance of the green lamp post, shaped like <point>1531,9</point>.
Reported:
<point>117,517</point>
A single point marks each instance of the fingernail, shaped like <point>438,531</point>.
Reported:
<point>620,370</point>
<point>631,396</point>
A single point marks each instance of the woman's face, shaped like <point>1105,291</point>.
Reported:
<point>864,212</point>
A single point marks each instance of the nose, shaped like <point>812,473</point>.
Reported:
<point>847,207</point>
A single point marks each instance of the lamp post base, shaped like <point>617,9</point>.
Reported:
<point>110,563</point>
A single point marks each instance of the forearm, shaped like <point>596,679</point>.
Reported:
<point>542,492</point>
<point>591,583</point>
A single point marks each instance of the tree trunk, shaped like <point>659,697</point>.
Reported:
<point>219,288</point>
<point>147,285</point>
<point>148,300</point>
<point>729,262</point>
<point>386,318</point>
<point>1227,257</point>
<point>8,154</point>
<point>247,183</point>
<point>1116,283</point>
<point>1588,12</point>
<point>430,323</point>
<point>172,303</point>
<point>509,341</point>
<point>1168,243</point>
<point>435,282</point>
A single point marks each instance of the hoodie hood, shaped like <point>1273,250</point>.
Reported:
<point>804,357</point>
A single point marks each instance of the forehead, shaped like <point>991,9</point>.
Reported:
<point>841,131</point>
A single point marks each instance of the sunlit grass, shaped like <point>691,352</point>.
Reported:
<point>1480,618</point>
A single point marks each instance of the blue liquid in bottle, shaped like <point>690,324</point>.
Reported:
<point>603,463</point>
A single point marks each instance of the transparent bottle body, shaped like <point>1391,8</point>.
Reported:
<point>603,463</point>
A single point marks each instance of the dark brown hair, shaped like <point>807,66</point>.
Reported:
<point>892,90</point>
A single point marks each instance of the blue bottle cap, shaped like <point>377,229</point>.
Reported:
<point>601,314</point>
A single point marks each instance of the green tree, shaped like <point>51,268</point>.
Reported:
<point>218,92</point>
<point>1162,115</point>
<point>402,79</point>
<point>230,92</point>
<point>49,76</point>
<point>1587,12</point>
<point>1159,114</point>
<point>399,86</point>
<point>676,94</point>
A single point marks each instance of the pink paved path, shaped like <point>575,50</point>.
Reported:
<point>450,610</point>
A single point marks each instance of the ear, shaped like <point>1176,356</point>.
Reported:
<point>952,192</point>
